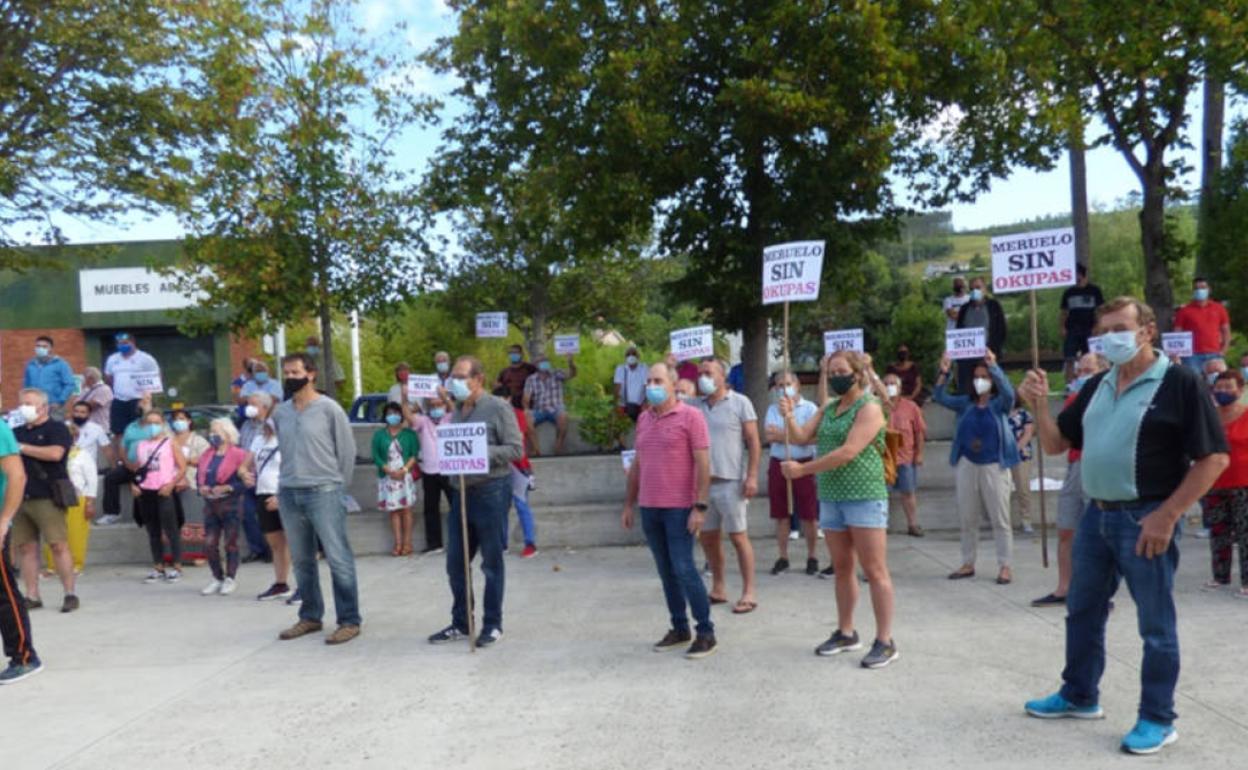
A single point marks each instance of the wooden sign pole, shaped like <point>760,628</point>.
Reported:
<point>468,594</point>
<point>788,449</point>
<point>1035,363</point>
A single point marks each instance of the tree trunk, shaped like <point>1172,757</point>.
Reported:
<point>754,360</point>
<point>1210,164</point>
<point>1158,291</point>
<point>538,313</point>
<point>1079,196</point>
<point>326,377</point>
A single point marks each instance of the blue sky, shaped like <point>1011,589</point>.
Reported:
<point>1023,195</point>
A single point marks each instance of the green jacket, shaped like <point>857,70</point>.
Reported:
<point>409,445</point>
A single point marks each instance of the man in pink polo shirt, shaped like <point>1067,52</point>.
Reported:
<point>670,478</point>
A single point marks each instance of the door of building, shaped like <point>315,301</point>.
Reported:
<point>187,364</point>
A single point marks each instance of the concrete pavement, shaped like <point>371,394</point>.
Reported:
<point>158,676</point>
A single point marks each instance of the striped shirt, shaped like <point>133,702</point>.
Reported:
<point>665,445</point>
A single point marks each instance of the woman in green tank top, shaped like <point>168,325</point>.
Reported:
<point>853,499</point>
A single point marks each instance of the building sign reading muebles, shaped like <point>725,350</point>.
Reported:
<point>123,289</point>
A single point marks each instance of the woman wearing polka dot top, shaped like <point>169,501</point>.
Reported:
<point>853,498</point>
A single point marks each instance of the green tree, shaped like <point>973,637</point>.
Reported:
<point>299,208</point>
<point>99,107</point>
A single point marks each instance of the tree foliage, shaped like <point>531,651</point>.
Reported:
<point>298,208</point>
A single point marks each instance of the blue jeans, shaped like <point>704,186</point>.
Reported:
<point>667,533</point>
<point>1104,554</point>
<point>313,513</point>
<point>256,544</point>
<point>487,505</point>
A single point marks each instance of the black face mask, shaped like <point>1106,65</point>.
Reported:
<point>903,355</point>
<point>80,421</point>
<point>292,385</point>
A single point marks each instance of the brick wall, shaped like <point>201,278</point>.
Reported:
<point>17,347</point>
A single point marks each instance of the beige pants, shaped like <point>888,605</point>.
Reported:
<point>984,490</point>
<point>1021,474</point>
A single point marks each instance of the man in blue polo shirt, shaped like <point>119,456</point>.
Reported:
<point>1152,446</point>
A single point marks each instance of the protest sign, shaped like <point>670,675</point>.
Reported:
<point>567,344</point>
<point>791,272</point>
<point>627,457</point>
<point>1178,344</point>
<point>422,385</point>
<point>141,382</point>
<point>843,339</point>
<point>695,342</point>
<point>962,344</point>
<point>1043,259</point>
<point>491,325</point>
<point>1095,345</point>
<point>462,449</point>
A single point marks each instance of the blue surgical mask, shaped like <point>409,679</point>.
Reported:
<point>1119,347</point>
<point>125,348</point>
<point>313,350</point>
<point>459,389</point>
<point>630,360</point>
<point>1079,382</point>
<point>1201,294</point>
<point>437,413</point>
<point>656,394</point>
<point>393,419</point>
<point>443,367</point>
<point>41,351</point>
<point>1244,371</point>
<point>181,426</point>
<point>790,391</point>
<point>514,357</point>
<point>977,295</point>
<point>706,386</point>
<point>1224,399</point>
<point>155,430</point>
<point>261,377</point>
<point>216,441</point>
<point>544,366</point>
<point>1211,377</point>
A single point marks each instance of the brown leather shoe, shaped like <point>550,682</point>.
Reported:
<point>302,628</point>
<point>343,634</point>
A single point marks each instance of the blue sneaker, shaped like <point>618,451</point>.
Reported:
<point>1057,707</point>
<point>1148,737</point>
<point>16,672</point>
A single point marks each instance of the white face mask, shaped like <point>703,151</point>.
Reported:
<point>982,385</point>
<point>706,385</point>
<point>251,411</point>
<point>892,390</point>
<point>29,413</point>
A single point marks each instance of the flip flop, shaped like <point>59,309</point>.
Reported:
<point>744,608</point>
<point>959,575</point>
<point>718,601</point>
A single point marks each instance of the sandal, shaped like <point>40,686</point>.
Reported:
<point>961,573</point>
<point>1004,578</point>
<point>717,601</point>
<point>407,551</point>
<point>1214,585</point>
<point>744,607</point>
<point>396,551</point>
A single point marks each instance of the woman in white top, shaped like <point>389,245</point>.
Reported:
<point>84,474</point>
<point>261,472</point>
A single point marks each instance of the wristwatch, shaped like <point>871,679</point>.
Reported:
<point>701,507</point>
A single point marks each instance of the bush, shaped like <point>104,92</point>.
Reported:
<point>920,324</point>
<point>599,421</point>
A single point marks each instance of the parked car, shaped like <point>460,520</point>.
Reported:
<point>370,407</point>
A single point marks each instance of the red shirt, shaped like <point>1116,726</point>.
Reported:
<point>687,370</point>
<point>907,419</point>
<point>523,463</point>
<point>1236,474</point>
<point>1205,324</point>
<point>665,445</point>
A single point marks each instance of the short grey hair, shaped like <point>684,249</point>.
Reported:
<point>262,399</point>
<point>671,376</point>
<point>225,426</point>
<point>92,373</point>
<point>38,393</point>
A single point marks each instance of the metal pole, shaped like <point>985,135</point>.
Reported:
<point>1035,364</point>
<point>357,379</point>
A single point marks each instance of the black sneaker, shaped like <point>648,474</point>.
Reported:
<point>295,598</point>
<point>33,604</point>
<point>782,565</point>
<point>827,574</point>
<point>70,604</point>
<point>672,640</point>
<point>812,566</point>
<point>275,591</point>
<point>838,643</point>
<point>881,655</point>
<point>489,637</point>
<point>448,634</point>
<point>1052,600</point>
<point>16,672</point>
<point>701,647</point>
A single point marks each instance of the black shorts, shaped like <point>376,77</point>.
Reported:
<point>1075,345</point>
<point>270,521</point>
<point>120,414</point>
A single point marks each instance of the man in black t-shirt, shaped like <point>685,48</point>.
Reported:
<point>44,445</point>
<point>1152,445</point>
<point>1079,304</point>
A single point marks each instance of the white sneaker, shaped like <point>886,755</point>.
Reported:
<point>106,520</point>
<point>212,588</point>
<point>818,534</point>
<point>155,576</point>
<point>173,575</point>
<point>1028,530</point>
<point>228,586</point>
<point>794,534</point>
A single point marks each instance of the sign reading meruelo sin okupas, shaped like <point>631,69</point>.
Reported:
<point>791,272</point>
<point>1044,259</point>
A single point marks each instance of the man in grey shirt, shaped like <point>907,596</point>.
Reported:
<point>735,451</point>
<point>318,461</point>
<point>487,498</point>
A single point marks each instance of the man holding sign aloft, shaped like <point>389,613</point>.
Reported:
<point>486,496</point>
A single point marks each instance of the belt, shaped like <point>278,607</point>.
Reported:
<point>1122,505</point>
<point>779,459</point>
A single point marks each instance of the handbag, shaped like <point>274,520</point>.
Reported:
<point>64,493</point>
<point>141,473</point>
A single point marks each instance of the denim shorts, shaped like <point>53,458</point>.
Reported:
<point>907,478</point>
<point>550,416</point>
<point>838,515</point>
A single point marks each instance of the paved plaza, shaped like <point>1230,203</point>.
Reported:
<point>159,677</point>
